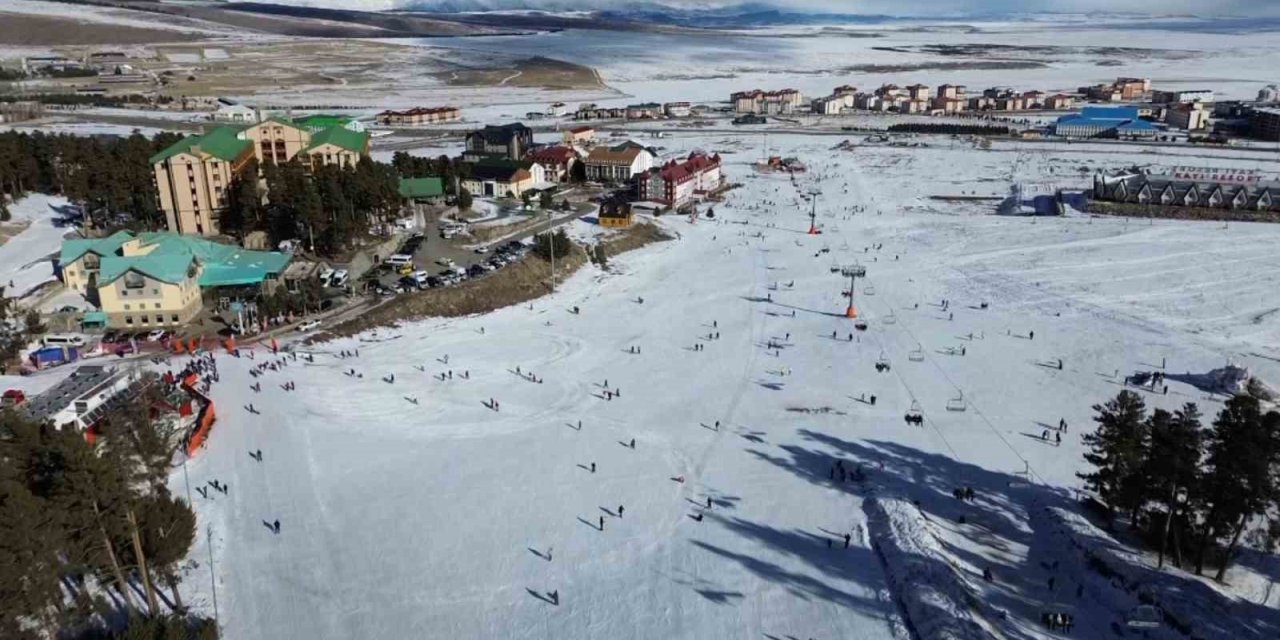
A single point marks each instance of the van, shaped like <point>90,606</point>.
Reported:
<point>399,260</point>
<point>63,340</point>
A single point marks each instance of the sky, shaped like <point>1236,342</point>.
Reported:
<point>1210,8</point>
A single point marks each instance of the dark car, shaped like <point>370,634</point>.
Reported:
<point>407,283</point>
<point>475,270</point>
<point>110,336</point>
<point>434,281</point>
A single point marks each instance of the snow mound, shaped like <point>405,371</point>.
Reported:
<point>934,597</point>
<point>1189,606</point>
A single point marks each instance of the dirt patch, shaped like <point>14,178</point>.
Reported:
<point>521,282</point>
<point>535,72</point>
<point>32,30</point>
<point>638,235</point>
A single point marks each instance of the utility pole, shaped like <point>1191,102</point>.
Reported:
<point>551,243</point>
<point>213,577</point>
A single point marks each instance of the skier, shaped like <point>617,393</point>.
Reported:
<point>846,540</point>
<point>1031,336</point>
<point>555,597</point>
<point>1059,437</point>
<point>619,511</point>
<point>276,525</point>
<point>633,443</point>
<point>602,523</point>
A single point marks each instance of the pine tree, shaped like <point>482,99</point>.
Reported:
<point>29,572</point>
<point>464,200</point>
<point>1117,450</point>
<point>1240,480</point>
<point>5,216</point>
<point>1172,467</point>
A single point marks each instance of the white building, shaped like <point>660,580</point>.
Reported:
<point>1179,97</point>
<point>618,163</point>
<point>235,113</point>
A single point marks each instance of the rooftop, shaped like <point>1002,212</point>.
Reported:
<point>429,187</point>
<point>167,256</point>
<point>354,141</point>
<point>60,396</point>
<point>222,143</point>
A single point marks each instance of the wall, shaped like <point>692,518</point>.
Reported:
<point>153,298</point>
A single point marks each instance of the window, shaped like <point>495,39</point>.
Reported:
<point>159,318</point>
<point>155,292</point>
<point>126,307</point>
<point>134,280</point>
<point>174,318</point>
<point>142,319</point>
<point>128,319</point>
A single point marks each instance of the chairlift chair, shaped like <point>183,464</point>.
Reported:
<point>1143,616</point>
<point>957,403</point>
<point>916,355</point>
<point>868,290</point>
<point>889,319</point>
<point>915,410</point>
<point>882,360</point>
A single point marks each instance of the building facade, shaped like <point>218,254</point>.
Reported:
<point>766,102</point>
<point>675,184</point>
<point>619,163</point>
<point>510,141</point>
<point>417,116</point>
<point>192,177</point>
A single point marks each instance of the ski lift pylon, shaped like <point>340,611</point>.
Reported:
<point>957,403</point>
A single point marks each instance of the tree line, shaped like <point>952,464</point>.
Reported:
<point>111,176</point>
<point>1200,489</point>
<point>329,208</point>
<point>952,129</point>
<point>91,539</point>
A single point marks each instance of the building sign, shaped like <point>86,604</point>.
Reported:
<point>1215,174</point>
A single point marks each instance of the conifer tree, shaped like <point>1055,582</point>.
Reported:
<point>1117,450</point>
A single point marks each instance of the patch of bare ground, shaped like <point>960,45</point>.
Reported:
<point>35,30</point>
<point>1180,213</point>
<point>636,236</point>
<point>521,282</point>
<point>535,72</point>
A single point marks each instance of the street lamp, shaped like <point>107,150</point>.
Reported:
<point>852,272</point>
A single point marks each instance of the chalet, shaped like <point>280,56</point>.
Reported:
<point>501,178</point>
<point>556,160</point>
<point>644,111</point>
<point>579,136</point>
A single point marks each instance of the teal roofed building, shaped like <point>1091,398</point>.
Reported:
<point>159,279</point>
<point>1105,122</point>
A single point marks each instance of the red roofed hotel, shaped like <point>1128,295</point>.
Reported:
<point>676,183</point>
<point>557,160</point>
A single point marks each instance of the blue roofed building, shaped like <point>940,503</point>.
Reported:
<point>1104,122</point>
<point>161,279</point>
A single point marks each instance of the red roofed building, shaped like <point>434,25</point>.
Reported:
<point>558,160</point>
<point>676,183</point>
<point>580,135</point>
<point>418,115</point>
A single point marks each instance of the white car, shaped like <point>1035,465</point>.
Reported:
<point>444,262</point>
<point>326,275</point>
<point>157,335</point>
<point>481,250</point>
<point>308,325</point>
<point>339,278</point>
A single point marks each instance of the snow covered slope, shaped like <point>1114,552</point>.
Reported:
<point>25,257</point>
<point>411,508</point>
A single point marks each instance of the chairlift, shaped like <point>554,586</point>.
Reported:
<point>889,319</point>
<point>1143,616</point>
<point>868,290</point>
<point>882,360</point>
<point>916,355</point>
<point>915,411</point>
<point>957,403</point>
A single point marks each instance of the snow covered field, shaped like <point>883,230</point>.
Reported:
<point>410,508</point>
<point>25,258</point>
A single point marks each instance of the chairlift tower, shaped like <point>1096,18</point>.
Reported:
<point>852,272</point>
<point>813,212</point>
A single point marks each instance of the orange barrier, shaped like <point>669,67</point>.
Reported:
<point>203,425</point>
<point>178,346</point>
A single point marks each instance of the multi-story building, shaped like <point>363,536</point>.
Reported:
<point>155,280</point>
<point>677,109</point>
<point>417,115</point>
<point>918,92</point>
<point>845,90</point>
<point>766,102</point>
<point>509,141</point>
<point>1059,101</point>
<point>1264,124</point>
<point>557,161</point>
<point>1192,116</point>
<point>619,163</point>
<point>501,178</point>
<point>951,91</point>
<point>1104,122</point>
<point>677,183</point>
<point>644,111</point>
<point>192,175</point>
<point>579,135</point>
<point>949,105</point>
<point>1132,88</point>
<point>1186,95</point>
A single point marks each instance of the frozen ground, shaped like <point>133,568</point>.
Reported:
<point>25,258</point>
<point>409,508</point>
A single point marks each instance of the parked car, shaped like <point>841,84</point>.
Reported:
<point>444,262</point>
<point>111,336</point>
<point>308,325</point>
<point>398,260</point>
<point>481,250</point>
<point>157,335</point>
<point>326,275</point>
<point>62,340</point>
<point>434,281</point>
<point>476,270</point>
<point>408,283</point>
<point>340,278</point>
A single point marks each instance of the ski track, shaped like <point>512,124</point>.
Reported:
<point>403,520</point>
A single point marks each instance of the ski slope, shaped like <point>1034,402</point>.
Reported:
<point>410,508</point>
